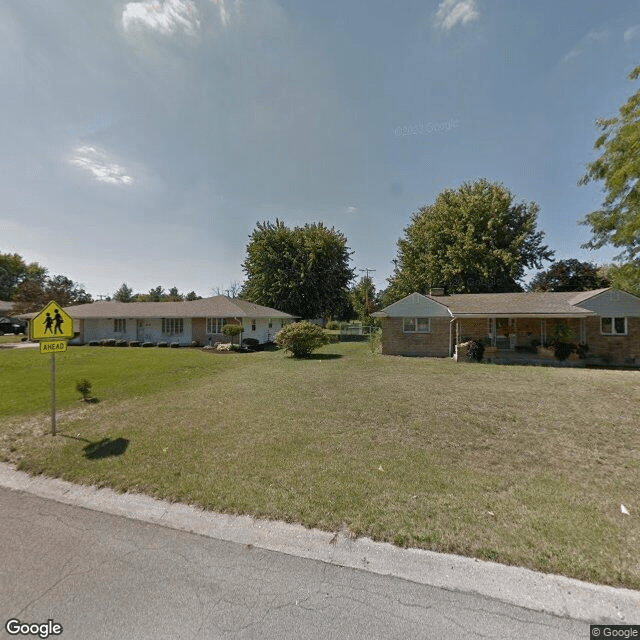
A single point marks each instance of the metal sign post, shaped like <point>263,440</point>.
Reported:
<point>53,394</point>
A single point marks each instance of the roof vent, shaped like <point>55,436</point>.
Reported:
<point>436,291</point>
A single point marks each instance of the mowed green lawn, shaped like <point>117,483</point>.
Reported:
<point>521,465</point>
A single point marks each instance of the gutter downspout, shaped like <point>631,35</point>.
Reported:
<point>451,336</point>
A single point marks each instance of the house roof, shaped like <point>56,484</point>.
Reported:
<point>538,304</point>
<point>215,307</point>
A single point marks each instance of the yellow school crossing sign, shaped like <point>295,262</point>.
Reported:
<point>52,326</point>
<point>52,322</point>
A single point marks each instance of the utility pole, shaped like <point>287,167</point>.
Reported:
<point>366,289</point>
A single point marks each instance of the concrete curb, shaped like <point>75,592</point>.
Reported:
<point>553,594</point>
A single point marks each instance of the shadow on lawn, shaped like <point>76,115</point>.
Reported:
<point>322,356</point>
<point>103,448</point>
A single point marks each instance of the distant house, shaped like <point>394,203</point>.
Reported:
<point>606,320</point>
<point>181,322</point>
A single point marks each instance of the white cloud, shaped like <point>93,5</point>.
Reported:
<point>164,16</point>
<point>586,42</point>
<point>452,12</point>
<point>351,209</point>
<point>632,32</point>
<point>574,53</point>
<point>596,36</point>
<point>100,165</point>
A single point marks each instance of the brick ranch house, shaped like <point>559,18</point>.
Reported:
<point>181,322</point>
<point>606,320</point>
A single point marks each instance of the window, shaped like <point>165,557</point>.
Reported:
<point>253,325</point>
<point>214,325</point>
<point>172,325</point>
<point>270,323</point>
<point>416,325</point>
<point>119,325</point>
<point>613,326</point>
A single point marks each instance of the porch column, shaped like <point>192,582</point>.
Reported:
<point>583,331</point>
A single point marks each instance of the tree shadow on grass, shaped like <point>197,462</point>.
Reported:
<point>105,448</point>
<point>322,356</point>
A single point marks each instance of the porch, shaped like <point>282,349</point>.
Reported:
<point>515,334</point>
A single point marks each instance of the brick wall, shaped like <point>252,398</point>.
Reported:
<point>619,348</point>
<point>398,343</point>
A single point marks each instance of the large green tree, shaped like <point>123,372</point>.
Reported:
<point>14,271</point>
<point>33,295</point>
<point>304,271</point>
<point>623,276</point>
<point>569,275</point>
<point>124,293</point>
<point>617,221</point>
<point>474,239</point>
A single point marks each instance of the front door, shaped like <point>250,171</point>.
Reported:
<point>140,330</point>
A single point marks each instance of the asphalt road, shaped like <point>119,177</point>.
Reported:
<point>105,576</point>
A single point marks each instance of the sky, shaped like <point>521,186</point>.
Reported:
<point>143,141</point>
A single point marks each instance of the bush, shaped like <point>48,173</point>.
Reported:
<point>195,343</point>
<point>301,338</point>
<point>333,325</point>
<point>110,343</point>
<point>121,343</point>
<point>148,344</point>
<point>83,387</point>
<point>174,345</point>
<point>232,330</point>
<point>94,343</point>
<point>134,343</point>
<point>562,350</point>
<point>251,343</point>
<point>375,341</point>
<point>476,351</point>
<point>582,350</point>
<point>163,344</point>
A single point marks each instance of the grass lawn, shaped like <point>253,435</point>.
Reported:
<point>521,465</point>
<point>10,338</point>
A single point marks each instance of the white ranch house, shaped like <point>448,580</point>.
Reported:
<point>181,322</point>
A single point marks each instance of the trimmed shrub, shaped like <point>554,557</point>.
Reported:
<point>94,343</point>
<point>83,387</point>
<point>134,343</point>
<point>174,345</point>
<point>301,338</point>
<point>582,350</point>
<point>562,350</point>
<point>110,343</point>
<point>163,344</point>
<point>223,346</point>
<point>232,330</point>
<point>251,343</point>
<point>121,343</point>
<point>476,351</point>
<point>195,343</point>
<point>148,344</point>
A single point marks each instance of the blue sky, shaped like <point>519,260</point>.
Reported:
<point>142,141</point>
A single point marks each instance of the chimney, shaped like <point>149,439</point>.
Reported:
<point>436,291</point>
